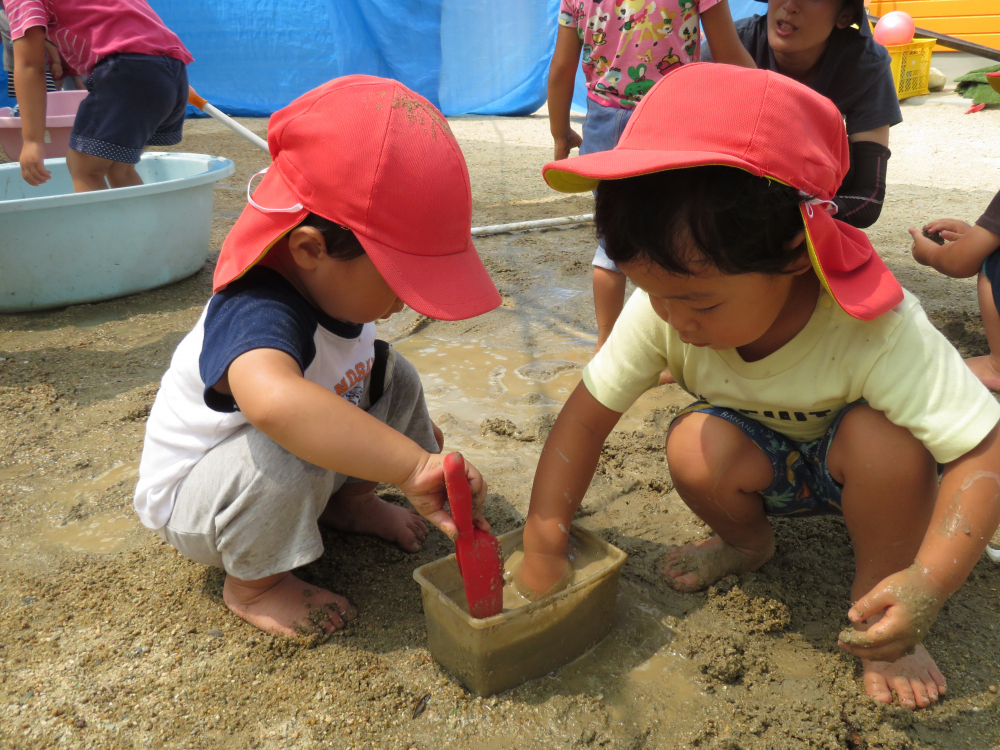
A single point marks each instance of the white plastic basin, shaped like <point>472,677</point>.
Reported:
<point>62,248</point>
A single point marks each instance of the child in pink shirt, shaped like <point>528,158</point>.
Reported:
<point>136,74</point>
<point>627,46</point>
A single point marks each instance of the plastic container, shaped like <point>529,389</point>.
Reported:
<point>911,67</point>
<point>62,248</point>
<point>500,652</point>
<point>60,112</point>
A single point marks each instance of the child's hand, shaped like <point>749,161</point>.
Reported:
<point>924,249</point>
<point>566,142</point>
<point>910,601</point>
<point>33,164</point>
<point>949,229</point>
<point>539,575</point>
<point>425,489</point>
<point>55,61</point>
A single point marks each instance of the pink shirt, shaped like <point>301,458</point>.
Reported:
<point>629,44</point>
<point>87,30</point>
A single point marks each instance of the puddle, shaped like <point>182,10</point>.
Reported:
<point>635,669</point>
<point>473,381</point>
<point>98,533</point>
<point>102,533</point>
<point>69,495</point>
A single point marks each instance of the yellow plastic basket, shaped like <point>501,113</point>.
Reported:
<point>911,67</point>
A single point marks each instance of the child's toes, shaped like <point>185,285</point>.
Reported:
<point>345,610</point>
<point>939,681</point>
<point>931,687</point>
<point>877,687</point>
<point>417,525</point>
<point>409,539</point>
<point>920,693</point>
<point>904,692</point>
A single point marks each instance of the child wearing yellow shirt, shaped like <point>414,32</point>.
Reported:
<point>819,385</point>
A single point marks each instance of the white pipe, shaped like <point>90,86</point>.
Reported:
<point>520,226</point>
<point>230,123</point>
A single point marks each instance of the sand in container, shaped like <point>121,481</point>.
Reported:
<point>528,639</point>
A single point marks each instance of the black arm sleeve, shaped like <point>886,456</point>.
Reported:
<point>859,200</point>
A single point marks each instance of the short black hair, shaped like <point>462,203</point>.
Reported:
<point>341,243</point>
<point>733,220</point>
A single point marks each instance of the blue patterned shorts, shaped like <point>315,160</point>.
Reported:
<point>802,485</point>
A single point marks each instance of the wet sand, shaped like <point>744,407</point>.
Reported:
<point>111,640</point>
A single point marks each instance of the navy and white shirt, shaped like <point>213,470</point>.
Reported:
<point>261,310</point>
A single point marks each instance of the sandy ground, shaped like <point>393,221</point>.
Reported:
<point>108,639</point>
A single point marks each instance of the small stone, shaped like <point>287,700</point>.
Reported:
<point>79,723</point>
<point>215,633</point>
<point>993,688</point>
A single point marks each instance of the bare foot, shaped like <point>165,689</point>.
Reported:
<point>916,679</point>
<point>356,508</point>
<point>666,377</point>
<point>285,605</point>
<point>985,369</point>
<point>697,565</point>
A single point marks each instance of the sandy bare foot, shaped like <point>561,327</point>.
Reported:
<point>916,679</point>
<point>356,508</point>
<point>285,605</point>
<point>984,369</point>
<point>697,565</point>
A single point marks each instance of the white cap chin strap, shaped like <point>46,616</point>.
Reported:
<point>829,206</point>
<point>290,209</point>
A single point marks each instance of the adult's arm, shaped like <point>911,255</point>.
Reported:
<point>862,193</point>
<point>720,31</point>
<point>29,84</point>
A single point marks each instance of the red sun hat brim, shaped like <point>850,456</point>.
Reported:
<point>423,281</point>
<point>256,231</point>
<point>443,287</point>
<point>590,169</point>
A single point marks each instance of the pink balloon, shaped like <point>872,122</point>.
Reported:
<point>895,27</point>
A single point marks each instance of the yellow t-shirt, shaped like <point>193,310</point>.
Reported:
<point>899,363</point>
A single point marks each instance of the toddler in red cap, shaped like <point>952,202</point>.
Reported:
<point>281,410</point>
<point>819,385</point>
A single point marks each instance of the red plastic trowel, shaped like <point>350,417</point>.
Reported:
<point>478,551</point>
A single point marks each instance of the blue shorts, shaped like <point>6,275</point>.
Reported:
<point>135,101</point>
<point>991,267</point>
<point>802,485</point>
<point>601,130</point>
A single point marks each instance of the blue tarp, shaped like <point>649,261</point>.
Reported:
<point>466,56</point>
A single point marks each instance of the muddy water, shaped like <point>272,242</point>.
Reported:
<point>101,533</point>
<point>474,380</point>
<point>635,670</point>
<point>584,562</point>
